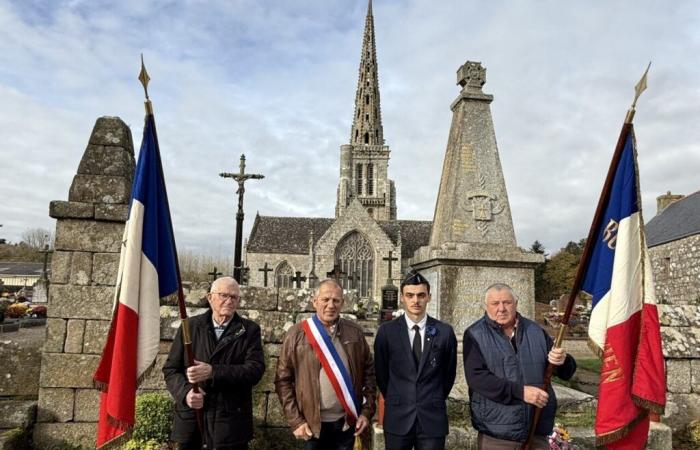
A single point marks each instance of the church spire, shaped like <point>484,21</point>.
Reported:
<point>367,121</point>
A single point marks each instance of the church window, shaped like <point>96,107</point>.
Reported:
<point>366,99</point>
<point>367,117</point>
<point>283,275</point>
<point>358,177</point>
<point>370,179</point>
<point>355,256</point>
<point>366,138</point>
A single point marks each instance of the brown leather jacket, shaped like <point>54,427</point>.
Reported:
<point>297,377</point>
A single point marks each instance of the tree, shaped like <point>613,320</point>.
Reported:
<point>538,248</point>
<point>37,238</point>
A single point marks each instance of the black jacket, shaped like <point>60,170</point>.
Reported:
<point>411,391</point>
<point>237,363</point>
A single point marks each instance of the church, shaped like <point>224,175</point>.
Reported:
<point>365,246</point>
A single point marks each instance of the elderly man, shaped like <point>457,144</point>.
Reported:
<point>325,376</point>
<point>228,362</point>
<point>505,357</point>
<point>416,361</point>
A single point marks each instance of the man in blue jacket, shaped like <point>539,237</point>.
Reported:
<point>505,357</point>
<point>416,363</point>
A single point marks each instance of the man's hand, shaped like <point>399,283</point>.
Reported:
<point>557,356</point>
<point>535,396</point>
<point>361,424</point>
<point>199,372</point>
<point>195,400</point>
<point>303,432</point>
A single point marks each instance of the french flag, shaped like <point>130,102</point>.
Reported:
<point>624,325</point>
<point>147,273</point>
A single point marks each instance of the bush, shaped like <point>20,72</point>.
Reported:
<point>16,310</point>
<point>154,416</point>
<point>138,444</point>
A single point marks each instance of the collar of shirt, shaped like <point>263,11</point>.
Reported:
<point>220,326</point>
<point>421,324</point>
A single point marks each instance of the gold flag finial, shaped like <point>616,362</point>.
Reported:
<point>144,78</point>
<point>638,89</point>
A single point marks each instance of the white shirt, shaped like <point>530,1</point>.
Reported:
<point>219,329</point>
<point>412,332</point>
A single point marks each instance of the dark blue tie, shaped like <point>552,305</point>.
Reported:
<point>417,347</point>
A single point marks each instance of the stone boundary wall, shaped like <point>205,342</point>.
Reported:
<point>676,267</point>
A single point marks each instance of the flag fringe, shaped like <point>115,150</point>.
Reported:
<point>595,348</point>
<point>146,372</point>
<point>118,441</point>
<point>648,405</point>
<point>618,434</point>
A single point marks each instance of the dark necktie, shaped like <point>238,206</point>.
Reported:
<point>417,347</point>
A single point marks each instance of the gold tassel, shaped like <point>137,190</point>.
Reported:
<point>358,443</point>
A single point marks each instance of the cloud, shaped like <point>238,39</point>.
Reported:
<point>276,81</point>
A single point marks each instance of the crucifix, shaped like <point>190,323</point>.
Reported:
<point>336,273</point>
<point>298,279</point>
<point>214,274</point>
<point>389,259</point>
<point>241,177</point>
<point>46,252</point>
<point>264,270</point>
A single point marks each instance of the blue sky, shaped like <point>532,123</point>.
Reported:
<point>276,80</point>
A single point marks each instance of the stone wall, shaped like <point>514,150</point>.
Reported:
<point>84,267</point>
<point>676,267</point>
<point>680,335</point>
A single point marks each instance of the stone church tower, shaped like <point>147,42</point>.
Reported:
<point>364,161</point>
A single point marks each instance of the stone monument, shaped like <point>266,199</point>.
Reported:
<point>472,242</point>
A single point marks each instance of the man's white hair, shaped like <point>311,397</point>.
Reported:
<point>499,287</point>
<point>220,281</point>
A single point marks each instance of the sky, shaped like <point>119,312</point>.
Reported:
<point>276,80</point>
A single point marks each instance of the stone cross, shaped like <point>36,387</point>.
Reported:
<point>390,259</point>
<point>46,252</point>
<point>298,279</point>
<point>214,274</point>
<point>353,279</point>
<point>241,177</point>
<point>264,270</point>
<point>336,273</point>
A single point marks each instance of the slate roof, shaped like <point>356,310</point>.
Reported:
<point>680,219</point>
<point>21,268</point>
<point>285,234</point>
<point>291,234</point>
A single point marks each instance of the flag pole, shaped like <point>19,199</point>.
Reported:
<point>588,248</point>
<point>186,337</point>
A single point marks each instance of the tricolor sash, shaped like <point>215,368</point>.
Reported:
<point>332,365</point>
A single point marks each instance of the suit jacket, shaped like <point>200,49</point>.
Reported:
<point>411,391</point>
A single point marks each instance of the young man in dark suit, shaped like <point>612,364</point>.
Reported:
<point>416,362</point>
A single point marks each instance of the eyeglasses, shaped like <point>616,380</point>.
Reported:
<point>224,296</point>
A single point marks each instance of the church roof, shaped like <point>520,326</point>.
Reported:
<point>680,219</point>
<point>291,234</point>
<point>285,234</point>
<point>414,234</point>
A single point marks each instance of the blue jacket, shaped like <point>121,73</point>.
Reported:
<point>511,419</point>
<point>411,391</point>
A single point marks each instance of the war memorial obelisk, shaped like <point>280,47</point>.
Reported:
<point>472,242</point>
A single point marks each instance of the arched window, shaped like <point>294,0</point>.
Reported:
<point>355,256</point>
<point>283,275</point>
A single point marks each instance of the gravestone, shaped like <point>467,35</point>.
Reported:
<point>472,242</point>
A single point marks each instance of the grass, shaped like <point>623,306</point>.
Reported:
<point>585,419</point>
<point>590,364</point>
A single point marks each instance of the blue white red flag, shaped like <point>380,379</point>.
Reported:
<point>624,325</point>
<point>147,273</point>
<point>332,365</point>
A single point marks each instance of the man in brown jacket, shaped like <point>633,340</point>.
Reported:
<point>310,403</point>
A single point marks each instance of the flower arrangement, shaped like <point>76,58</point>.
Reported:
<point>431,331</point>
<point>38,311</point>
<point>16,310</point>
<point>560,439</point>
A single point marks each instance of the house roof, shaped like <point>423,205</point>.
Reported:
<point>21,268</point>
<point>291,234</point>
<point>680,219</point>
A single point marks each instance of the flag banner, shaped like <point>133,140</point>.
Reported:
<point>624,325</point>
<point>147,273</point>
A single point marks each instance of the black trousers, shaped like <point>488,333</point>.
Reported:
<point>332,437</point>
<point>192,446</point>
<point>415,439</point>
